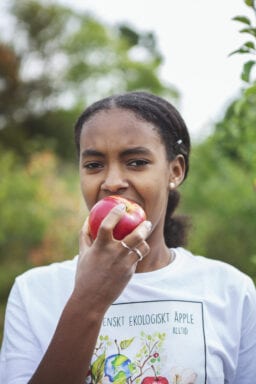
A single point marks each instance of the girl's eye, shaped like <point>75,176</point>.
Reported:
<point>92,166</point>
<point>138,163</point>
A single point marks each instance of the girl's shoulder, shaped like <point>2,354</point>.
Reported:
<point>48,278</point>
<point>215,273</point>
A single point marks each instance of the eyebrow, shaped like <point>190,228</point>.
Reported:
<point>136,151</point>
<point>129,151</point>
<point>92,152</point>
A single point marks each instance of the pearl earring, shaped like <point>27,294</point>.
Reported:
<point>172,185</point>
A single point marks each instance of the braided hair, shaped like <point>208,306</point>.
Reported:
<point>174,134</point>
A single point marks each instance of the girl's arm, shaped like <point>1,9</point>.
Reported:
<point>104,269</point>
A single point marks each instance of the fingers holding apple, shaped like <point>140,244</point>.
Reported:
<point>104,265</point>
<point>132,216</point>
<point>113,219</point>
<point>102,271</point>
<point>84,237</point>
<point>102,223</point>
<point>136,241</point>
<point>120,218</point>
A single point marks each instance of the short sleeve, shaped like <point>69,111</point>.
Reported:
<point>20,349</point>
<point>246,367</point>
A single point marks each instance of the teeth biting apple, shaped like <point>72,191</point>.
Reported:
<point>133,216</point>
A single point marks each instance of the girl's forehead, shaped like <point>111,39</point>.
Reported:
<point>119,124</point>
<point>114,115</point>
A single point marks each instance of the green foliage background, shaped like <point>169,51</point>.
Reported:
<point>57,63</point>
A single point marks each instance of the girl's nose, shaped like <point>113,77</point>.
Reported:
<point>114,181</point>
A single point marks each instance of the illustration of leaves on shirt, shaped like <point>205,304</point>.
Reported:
<point>97,368</point>
<point>148,358</point>
<point>118,368</point>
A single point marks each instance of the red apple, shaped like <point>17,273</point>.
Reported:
<point>155,380</point>
<point>132,217</point>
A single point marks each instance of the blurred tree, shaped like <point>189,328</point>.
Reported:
<point>222,189</point>
<point>41,215</point>
<point>249,47</point>
<point>236,134</point>
<point>39,208</point>
<point>56,61</point>
<point>220,197</point>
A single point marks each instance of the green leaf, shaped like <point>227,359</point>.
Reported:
<point>162,336</point>
<point>125,343</point>
<point>251,31</point>
<point>250,3</point>
<point>249,44</point>
<point>251,90</point>
<point>242,19</point>
<point>98,368</point>
<point>245,76</point>
<point>240,50</point>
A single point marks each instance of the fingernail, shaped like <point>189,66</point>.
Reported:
<point>121,207</point>
<point>148,225</point>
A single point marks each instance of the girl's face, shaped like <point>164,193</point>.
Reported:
<point>121,154</point>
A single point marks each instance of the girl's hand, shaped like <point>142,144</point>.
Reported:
<point>105,265</point>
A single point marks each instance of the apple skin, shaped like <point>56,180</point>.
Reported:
<point>155,380</point>
<point>133,216</point>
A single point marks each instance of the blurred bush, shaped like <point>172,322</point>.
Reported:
<point>39,202</point>
<point>41,214</point>
<point>220,196</point>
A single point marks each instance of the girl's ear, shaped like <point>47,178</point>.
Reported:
<point>177,171</point>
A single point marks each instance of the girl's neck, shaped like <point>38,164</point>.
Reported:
<point>158,257</point>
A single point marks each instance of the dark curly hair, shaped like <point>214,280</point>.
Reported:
<point>174,134</point>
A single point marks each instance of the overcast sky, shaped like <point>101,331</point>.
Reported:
<point>195,38</point>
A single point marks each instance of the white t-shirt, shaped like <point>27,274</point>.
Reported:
<point>193,321</point>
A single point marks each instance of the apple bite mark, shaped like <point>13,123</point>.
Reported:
<point>133,216</point>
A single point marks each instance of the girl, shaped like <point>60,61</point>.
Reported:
<point>141,310</point>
